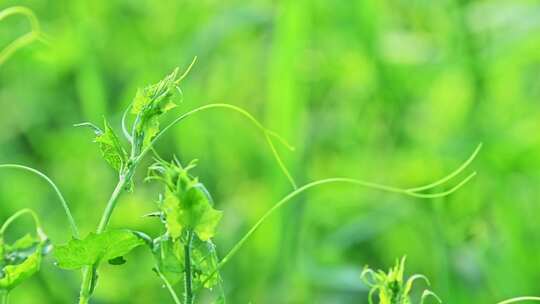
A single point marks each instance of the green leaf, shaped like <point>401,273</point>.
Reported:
<point>150,103</point>
<point>157,96</point>
<point>20,260</point>
<point>170,207</point>
<point>186,204</point>
<point>13,275</point>
<point>22,248</point>
<point>111,148</point>
<point>96,247</point>
<point>199,215</point>
<point>23,243</point>
<point>190,209</point>
<point>170,261</point>
<point>186,207</point>
<point>205,261</point>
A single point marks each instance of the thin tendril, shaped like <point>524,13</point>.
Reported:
<point>74,229</point>
<point>361,183</point>
<point>444,193</point>
<point>187,70</point>
<point>90,125</point>
<point>267,133</point>
<point>280,162</point>
<point>519,299</point>
<point>25,39</point>
<point>451,175</point>
<point>18,214</point>
<point>124,128</point>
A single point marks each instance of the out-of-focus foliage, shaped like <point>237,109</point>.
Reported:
<point>392,91</point>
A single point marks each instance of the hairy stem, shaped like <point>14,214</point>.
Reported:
<point>188,277</point>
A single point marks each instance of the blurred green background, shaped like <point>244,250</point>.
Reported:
<point>397,91</point>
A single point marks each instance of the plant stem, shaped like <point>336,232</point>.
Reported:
<point>4,297</point>
<point>106,217</point>
<point>88,272</point>
<point>86,285</point>
<point>188,278</point>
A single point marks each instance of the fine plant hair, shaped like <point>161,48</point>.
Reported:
<point>32,35</point>
<point>185,252</point>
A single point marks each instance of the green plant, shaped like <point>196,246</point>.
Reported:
<point>184,252</point>
<point>22,258</point>
<point>391,286</point>
<point>149,104</point>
